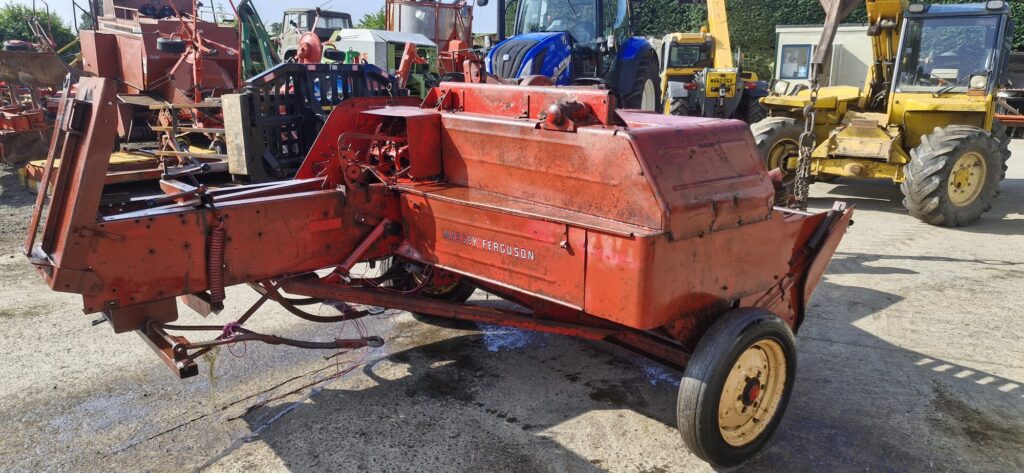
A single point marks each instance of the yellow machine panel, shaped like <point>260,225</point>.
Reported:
<point>721,83</point>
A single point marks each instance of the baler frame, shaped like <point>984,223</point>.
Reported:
<point>374,188</point>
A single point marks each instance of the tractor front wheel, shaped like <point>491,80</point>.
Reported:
<point>953,175</point>
<point>736,386</point>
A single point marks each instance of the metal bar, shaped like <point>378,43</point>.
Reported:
<point>37,211</point>
<point>364,246</point>
<point>658,348</point>
<point>488,315</point>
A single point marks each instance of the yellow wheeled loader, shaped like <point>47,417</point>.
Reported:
<point>924,119</point>
<point>699,77</point>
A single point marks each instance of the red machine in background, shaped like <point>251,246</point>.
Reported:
<point>652,232</point>
<point>171,64</point>
<point>449,25</point>
<point>179,57</point>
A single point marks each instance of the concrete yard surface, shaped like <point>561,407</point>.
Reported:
<point>911,359</point>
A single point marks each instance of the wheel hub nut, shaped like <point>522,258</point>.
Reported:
<point>751,392</point>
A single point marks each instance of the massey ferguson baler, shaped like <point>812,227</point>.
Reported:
<point>652,232</point>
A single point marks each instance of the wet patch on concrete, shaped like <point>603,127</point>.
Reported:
<point>956,416</point>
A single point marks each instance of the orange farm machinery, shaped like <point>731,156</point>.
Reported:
<point>655,233</point>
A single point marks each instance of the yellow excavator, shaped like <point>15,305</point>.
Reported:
<point>699,77</point>
<point>924,118</point>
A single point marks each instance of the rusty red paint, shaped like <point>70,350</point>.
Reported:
<point>619,227</point>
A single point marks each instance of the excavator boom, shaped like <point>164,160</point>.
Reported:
<point>718,26</point>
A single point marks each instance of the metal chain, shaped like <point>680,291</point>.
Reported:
<point>802,184</point>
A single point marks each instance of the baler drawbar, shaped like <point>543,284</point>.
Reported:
<point>653,232</point>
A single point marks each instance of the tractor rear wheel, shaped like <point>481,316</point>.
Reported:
<point>953,175</point>
<point>736,386</point>
<point>778,139</point>
<point>645,93</point>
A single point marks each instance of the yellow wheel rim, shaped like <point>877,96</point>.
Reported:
<point>779,154</point>
<point>967,179</point>
<point>752,392</point>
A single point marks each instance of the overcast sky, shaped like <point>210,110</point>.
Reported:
<point>484,18</point>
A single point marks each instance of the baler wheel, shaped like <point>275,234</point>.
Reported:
<point>459,292</point>
<point>736,386</point>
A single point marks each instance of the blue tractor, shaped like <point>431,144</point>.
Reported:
<point>579,42</point>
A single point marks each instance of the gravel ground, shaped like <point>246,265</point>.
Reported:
<point>910,359</point>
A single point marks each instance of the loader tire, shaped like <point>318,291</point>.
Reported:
<point>954,174</point>
<point>776,139</point>
<point>645,94</point>
<point>677,106</point>
<point>736,386</point>
<point>756,112</point>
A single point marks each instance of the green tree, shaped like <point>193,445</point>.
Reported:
<point>274,28</point>
<point>374,21</point>
<point>752,24</point>
<point>14,20</point>
<point>511,6</point>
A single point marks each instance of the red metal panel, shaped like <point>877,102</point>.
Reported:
<point>592,171</point>
<point>513,101</point>
<point>707,172</point>
<point>515,252</point>
<point>647,283</point>
<point>96,53</point>
<point>163,253</point>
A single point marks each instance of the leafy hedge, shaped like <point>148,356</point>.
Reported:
<point>14,24</point>
<point>752,23</point>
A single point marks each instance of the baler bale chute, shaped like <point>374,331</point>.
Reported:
<point>652,232</point>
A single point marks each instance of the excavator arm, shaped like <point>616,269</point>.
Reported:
<point>884,18</point>
<point>718,26</point>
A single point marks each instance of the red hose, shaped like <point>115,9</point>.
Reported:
<point>215,260</point>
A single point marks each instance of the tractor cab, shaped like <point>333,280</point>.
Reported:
<point>298,21</point>
<point>579,42</point>
<point>685,54</point>
<point>950,56</point>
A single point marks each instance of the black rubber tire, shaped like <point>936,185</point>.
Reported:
<point>925,193</point>
<point>19,46</point>
<point>170,46</point>
<point>1002,133</point>
<point>462,291</point>
<point>756,112</point>
<point>772,130</point>
<point>453,77</point>
<point>646,71</point>
<point>705,376</point>
<point>679,106</point>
